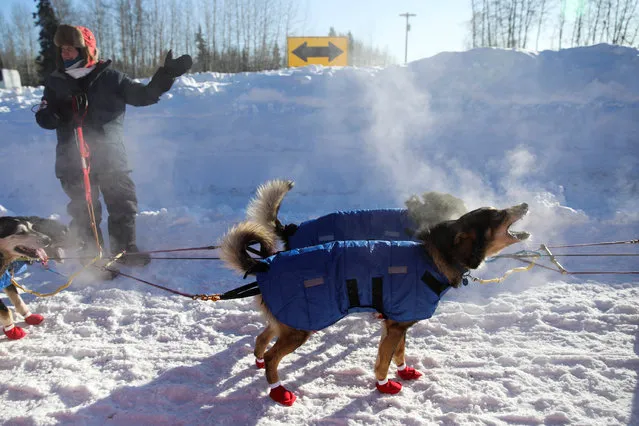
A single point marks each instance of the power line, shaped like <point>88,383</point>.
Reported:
<point>407,15</point>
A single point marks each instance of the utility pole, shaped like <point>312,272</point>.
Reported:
<point>407,15</point>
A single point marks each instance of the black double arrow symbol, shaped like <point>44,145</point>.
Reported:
<point>304,51</point>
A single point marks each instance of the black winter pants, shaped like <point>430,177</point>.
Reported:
<point>118,191</point>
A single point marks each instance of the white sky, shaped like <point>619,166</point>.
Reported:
<point>438,27</point>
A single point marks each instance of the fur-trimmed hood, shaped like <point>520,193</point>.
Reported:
<point>80,37</point>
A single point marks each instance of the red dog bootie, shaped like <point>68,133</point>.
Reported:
<point>408,373</point>
<point>282,395</point>
<point>388,386</point>
<point>259,363</point>
<point>33,319</point>
<point>14,332</point>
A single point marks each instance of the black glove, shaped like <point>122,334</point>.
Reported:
<point>176,67</point>
<point>52,113</point>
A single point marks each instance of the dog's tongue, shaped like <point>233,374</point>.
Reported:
<point>42,256</point>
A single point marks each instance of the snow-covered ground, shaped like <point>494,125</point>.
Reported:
<point>557,130</point>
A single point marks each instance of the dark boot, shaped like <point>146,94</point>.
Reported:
<point>105,274</point>
<point>133,257</point>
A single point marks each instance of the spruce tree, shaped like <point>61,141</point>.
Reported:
<point>352,52</point>
<point>203,59</point>
<point>45,19</point>
<point>277,58</point>
<point>244,64</point>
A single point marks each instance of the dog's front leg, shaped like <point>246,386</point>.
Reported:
<point>392,334</point>
<point>404,371</point>
<point>12,331</point>
<point>21,307</point>
<point>399,356</point>
<point>17,301</point>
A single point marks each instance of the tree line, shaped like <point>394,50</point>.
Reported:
<point>558,23</point>
<point>250,35</point>
<point>222,35</point>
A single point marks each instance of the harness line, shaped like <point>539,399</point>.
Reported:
<point>608,243</point>
<point>240,292</point>
<point>252,289</point>
<point>536,255</point>
<point>531,263</point>
<point>59,289</point>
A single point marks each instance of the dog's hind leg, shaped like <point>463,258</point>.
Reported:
<point>12,331</point>
<point>261,343</point>
<point>392,334</point>
<point>289,339</point>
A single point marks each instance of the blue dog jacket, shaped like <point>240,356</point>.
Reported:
<point>313,287</point>
<point>381,224</point>
<point>18,268</point>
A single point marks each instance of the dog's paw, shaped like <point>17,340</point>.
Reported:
<point>14,333</point>
<point>34,319</point>
<point>390,387</point>
<point>409,373</point>
<point>259,363</point>
<point>283,396</point>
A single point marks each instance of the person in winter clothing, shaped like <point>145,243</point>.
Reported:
<point>84,91</point>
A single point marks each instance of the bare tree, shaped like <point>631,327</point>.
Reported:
<point>509,23</point>
<point>27,47</point>
<point>504,23</point>
<point>601,21</point>
<point>65,11</point>
<point>541,14</point>
<point>473,23</point>
<point>96,16</point>
<point>8,44</point>
<point>157,22</point>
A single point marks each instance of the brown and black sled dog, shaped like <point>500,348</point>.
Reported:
<point>450,249</point>
<point>30,239</point>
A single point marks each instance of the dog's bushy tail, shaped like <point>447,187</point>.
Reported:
<point>234,245</point>
<point>264,207</point>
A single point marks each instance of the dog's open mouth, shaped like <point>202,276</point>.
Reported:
<point>515,213</point>
<point>35,254</point>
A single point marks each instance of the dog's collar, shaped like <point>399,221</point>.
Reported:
<point>463,271</point>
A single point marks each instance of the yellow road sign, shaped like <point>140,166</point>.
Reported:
<point>329,51</point>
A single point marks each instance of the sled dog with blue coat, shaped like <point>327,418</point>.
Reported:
<point>308,289</point>
<point>390,224</point>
